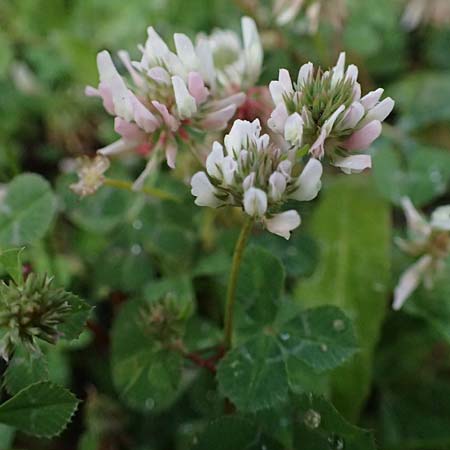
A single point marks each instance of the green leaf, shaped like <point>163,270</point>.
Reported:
<point>11,261</point>
<point>253,375</point>
<point>146,375</point>
<point>27,210</point>
<point>260,284</point>
<point>23,370</point>
<point>352,227</point>
<point>322,427</point>
<point>42,409</point>
<point>75,322</point>
<point>6,436</point>
<point>423,173</point>
<point>236,433</point>
<point>322,337</point>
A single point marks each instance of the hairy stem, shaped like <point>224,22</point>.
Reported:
<point>232,282</point>
<point>151,192</point>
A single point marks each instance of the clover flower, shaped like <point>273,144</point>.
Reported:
<point>90,172</point>
<point>174,95</point>
<point>435,12</point>
<point>31,312</point>
<point>333,11</point>
<point>250,172</point>
<point>324,114</point>
<point>429,242</point>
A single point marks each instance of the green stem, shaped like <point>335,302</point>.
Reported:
<point>232,282</point>
<point>151,192</point>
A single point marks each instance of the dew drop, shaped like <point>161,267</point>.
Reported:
<point>339,325</point>
<point>312,419</point>
<point>137,225</point>
<point>284,336</point>
<point>136,249</point>
<point>149,403</point>
<point>324,347</point>
<point>335,442</point>
<point>263,447</point>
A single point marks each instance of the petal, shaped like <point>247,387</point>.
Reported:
<point>197,87</point>
<point>282,224</point>
<point>338,69</point>
<point>371,99</point>
<point>379,112</point>
<point>125,58</point>
<point>255,202</point>
<point>293,129</point>
<point>278,118</point>
<point>143,116</point>
<point>218,120</point>
<point>185,51</point>
<point>171,153</point>
<point>120,146</point>
<point>309,182</point>
<point>159,74</point>
<point>214,161</point>
<point>289,11</point>
<point>129,131</point>
<point>186,105</point>
<point>353,164</point>
<point>440,219</point>
<point>169,119</point>
<point>253,50</point>
<point>410,280</point>
<point>204,191</point>
<point>415,221</point>
<point>363,138</point>
<point>304,74</point>
<point>352,117</point>
<point>206,67</point>
<point>277,186</point>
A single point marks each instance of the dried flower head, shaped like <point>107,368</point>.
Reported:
<point>250,172</point>
<point>175,95</point>
<point>90,173</point>
<point>323,113</point>
<point>429,242</point>
<point>30,312</point>
<point>434,12</point>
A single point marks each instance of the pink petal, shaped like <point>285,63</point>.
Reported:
<point>171,153</point>
<point>143,117</point>
<point>278,118</point>
<point>361,139</point>
<point>218,120</point>
<point>125,58</point>
<point>197,87</point>
<point>128,131</point>
<point>169,119</point>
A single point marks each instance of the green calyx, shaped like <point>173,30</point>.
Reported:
<point>30,311</point>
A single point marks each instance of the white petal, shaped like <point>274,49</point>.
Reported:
<point>415,221</point>
<point>206,67</point>
<point>309,182</point>
<point>168,118</point>
<point>440,219</point>
<point>186,104</point>
<point>204,191</point>
<point>277,186</point>
<point>255,202</point>
<point>410,280</point>
<point>293,129</point>
<point>116,148</point>
<point>371,99</point>
<point>185,51</point>
<point>353,164</point>
<point>379,112</point>
<point>338,69</point>
<point>304,74</point>
<point>282,224</point>
<point>214,161</point>
<point>352,116</point>
<point>278,118</point>
<point>253,50</point>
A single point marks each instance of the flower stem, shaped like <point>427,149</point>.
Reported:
<point>151,192</point>
<point>232,282</point>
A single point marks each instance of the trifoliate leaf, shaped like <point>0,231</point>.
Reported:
<point>11,261</point>
<point>323,338</point>
<point>146,375</point>
<point>42,409</point>
<point>27,210</point>
<point>24,369</point>
<point>253,375</point>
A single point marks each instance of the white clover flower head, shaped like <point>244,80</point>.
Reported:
<point>311,12</point>
<point>324,114</point>
<point>248,171</point>
<point>234,64</point>
<point>91,174</point>
<point>172,96</point>
<point>429,242</point>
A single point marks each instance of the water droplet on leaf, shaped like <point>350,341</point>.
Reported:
<point>136,249</point>
<point>339,325</point>
<point>312,419</point>
<point>284,336</point>
<point>137,225</point>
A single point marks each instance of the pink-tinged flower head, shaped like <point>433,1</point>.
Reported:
<point>248,171</point>
<point>429,243</point>
<point>91,175</point>
<point>324,114</point>
<point>171,96</point>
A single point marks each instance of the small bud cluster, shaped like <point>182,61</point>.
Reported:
<point>434,12</point>
<point>174,95</point>
<point>427,241</point>
<point>252,173</point>
<point>325,115</point>
<point>30,312</point>
<point>90,173</point>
